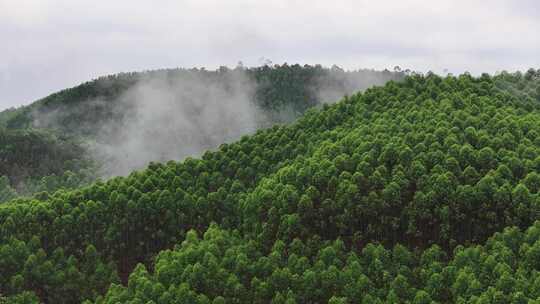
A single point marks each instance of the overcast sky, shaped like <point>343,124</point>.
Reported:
<point>48,45</point>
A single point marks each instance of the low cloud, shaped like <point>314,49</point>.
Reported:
<point>171,114</point>
<point>175,117</point>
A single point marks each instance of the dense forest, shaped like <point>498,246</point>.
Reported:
<point>424,190</point>
<point>45,146</point>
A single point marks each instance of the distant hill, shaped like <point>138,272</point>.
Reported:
<point>81,109</point>
<point>36,160</point>
<point>118,123</point>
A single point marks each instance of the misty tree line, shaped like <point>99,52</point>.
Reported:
<point>44,146</point>
<point>35,160</point>
<point>286,85</point>
<point>420,191</point>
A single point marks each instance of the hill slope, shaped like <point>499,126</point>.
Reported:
<point>397,194</point>
<point>82,109</point>
<point>122,122</point>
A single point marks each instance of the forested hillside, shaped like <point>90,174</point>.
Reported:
<point>419,191</point>
<point>30,154</point>
<point>87,130</point>
<point>82,109</point>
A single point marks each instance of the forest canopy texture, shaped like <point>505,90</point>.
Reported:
<point>424,190</point>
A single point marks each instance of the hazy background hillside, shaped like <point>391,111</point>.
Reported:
<point>119,123</point>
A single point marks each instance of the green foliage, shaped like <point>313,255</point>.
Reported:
<point>83,109</point>
<point>21,298</point>
<point>6,191</point>
<point>401,194</point>
<point>40,142</point>
<point>223,267</point>
<point>55,277</point>
<point>36,160</point>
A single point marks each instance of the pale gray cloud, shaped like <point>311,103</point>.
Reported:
<point>48,45</point>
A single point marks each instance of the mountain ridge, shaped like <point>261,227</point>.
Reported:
<point>113,116</point>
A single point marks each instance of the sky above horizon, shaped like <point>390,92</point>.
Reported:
<point>49,45</point>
